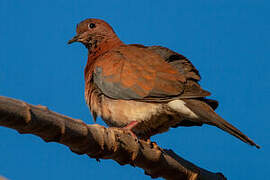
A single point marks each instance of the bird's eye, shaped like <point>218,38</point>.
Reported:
<point>91,25</point>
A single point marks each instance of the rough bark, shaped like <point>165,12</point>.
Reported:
<point>98,142</point>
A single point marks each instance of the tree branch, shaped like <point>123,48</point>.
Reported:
<point>2,178</point>
<point>98,142</point>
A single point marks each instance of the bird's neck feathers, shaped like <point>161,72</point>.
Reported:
<point>99,46</point>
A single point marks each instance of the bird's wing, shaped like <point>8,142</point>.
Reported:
<point>178,61</point>
<point>143,73</point>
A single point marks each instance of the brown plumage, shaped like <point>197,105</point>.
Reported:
<point>148,89</point>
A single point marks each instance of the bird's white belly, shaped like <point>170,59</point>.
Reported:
<point>152,118</point>
<point>121,112</point>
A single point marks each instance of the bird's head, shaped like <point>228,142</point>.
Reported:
<point>92,32</point>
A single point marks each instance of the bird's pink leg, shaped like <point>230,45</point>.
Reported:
<point>130,126</point>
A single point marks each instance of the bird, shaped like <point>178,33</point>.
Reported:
<point>144,89</point>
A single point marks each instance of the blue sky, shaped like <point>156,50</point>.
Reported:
<point>228,41</point>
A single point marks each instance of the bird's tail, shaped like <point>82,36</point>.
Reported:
<point>209,116</point>
<point>224,125</point>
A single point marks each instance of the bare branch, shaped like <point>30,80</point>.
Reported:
<point>98,142</point>
<point>2,178</point>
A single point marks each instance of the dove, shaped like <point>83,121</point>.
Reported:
<point>144,89</point>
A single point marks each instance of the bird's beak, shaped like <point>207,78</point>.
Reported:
<point>76,38</point>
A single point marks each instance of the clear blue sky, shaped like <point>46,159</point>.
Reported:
<point>228,41</point>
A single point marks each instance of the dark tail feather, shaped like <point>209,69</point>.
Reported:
<point>224,125</point>
<point>209,116</point>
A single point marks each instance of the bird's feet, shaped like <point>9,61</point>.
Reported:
<point>152,144</point>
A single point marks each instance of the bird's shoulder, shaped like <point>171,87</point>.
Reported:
<point>177,60</point>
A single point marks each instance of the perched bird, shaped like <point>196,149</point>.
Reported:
<point>145,89</point>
